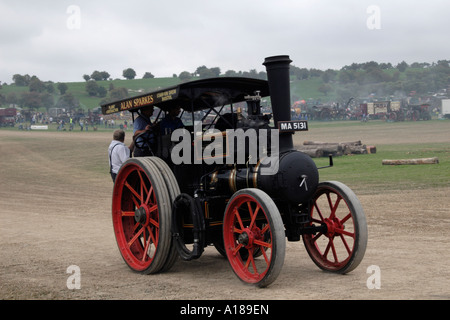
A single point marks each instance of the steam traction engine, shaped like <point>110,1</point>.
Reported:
<point>164,208</point>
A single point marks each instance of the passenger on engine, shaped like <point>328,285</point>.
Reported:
<point>171,121</point>
<point>143,136</point>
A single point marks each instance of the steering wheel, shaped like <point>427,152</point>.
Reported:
<point>145,139</point>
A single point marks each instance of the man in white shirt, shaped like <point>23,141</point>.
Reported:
<point>118,153</point>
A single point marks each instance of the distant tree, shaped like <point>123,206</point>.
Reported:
<point>47,100</point>
<point>148,75</point>
<point>315,72</point>
<point>2,97</point>
<point>262,75</point>
<point>50,87</point>
<point>204,72</point>
<point>250,74</point>
<point>299,73</point>
<point>231,73</point>
<point>68,102</point>
<point>402,66</point>
<point>129,74</point>
<point>386,66</point>
<point>36,85</point>
<point>329,75</point>
<point>31,100</point>
<point>105,75</point>
<point>20,80</point>
<point>215,71</point>
<point>118,94</point>
<point>185,75</point>
<point>86,77</point>
<point>92,88</point>
<point>102,92</point>
<point>62,87</point>
<point>11,98</point>
<point>96,75</point>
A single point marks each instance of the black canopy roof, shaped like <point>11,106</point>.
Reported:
<point>194,95</point>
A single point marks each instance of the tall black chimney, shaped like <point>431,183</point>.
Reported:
<point>280,94</point>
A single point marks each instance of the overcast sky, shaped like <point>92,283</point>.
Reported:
<point>63,40</point>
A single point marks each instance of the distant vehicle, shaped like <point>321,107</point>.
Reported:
<point>445,108</point>
<point>8,117</point>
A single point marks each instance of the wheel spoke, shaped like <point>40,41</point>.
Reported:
<point>266,258</point>
<point>318,212</point>
<point>251,260</point>
<point>349,251</point>
<point>127,213</point>
<point>236,250</point>
<point>265,229</point>
<point>147,244</point>
<point>343,232</point>
<point>135,237</point>
<point>143,185</point>
<point>153,236</point>
<point>134,192</point>
<point>346,218</point>
<point>262,243</point>
<point>238,217</point>
<point>329,200</point>
<point>154,222</point>
<point>239,231</point>
<point>333,249</point>
<point>317,236</point>
<point>149,194</point>
<point>253,215</point>
<point>334,208</point>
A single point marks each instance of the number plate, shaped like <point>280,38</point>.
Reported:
<point>289,126</point>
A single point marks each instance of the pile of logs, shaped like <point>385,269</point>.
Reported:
<point>317,149</point>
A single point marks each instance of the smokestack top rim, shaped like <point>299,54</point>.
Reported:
<point>276,60</point>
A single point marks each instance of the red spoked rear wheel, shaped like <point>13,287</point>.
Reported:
<point>341,248</point>
<point>254,237</point>
<point>141,216</point>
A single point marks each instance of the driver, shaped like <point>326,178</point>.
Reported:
<point>142,125</point>
<point>171,121</point>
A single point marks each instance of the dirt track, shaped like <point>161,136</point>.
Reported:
<point>55,200</point>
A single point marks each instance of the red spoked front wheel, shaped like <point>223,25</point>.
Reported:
<point>141,216</point>
<point>341,248</point>
<point>254,238</point>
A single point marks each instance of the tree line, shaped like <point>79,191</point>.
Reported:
<point>353,80</point>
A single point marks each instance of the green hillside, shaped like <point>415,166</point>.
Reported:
<point>357,80</point>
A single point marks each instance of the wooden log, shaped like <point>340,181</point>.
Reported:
<point>357,149</point>
<point>433,160</point>
<point>371,149</point>
<point>357,143</point>
<point>313,153</point>
<point>325,147</point>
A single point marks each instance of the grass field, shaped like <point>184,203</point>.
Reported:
<point>370,175</point>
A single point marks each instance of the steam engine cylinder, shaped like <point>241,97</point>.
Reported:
<point>295,182</point>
